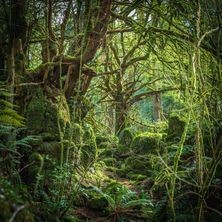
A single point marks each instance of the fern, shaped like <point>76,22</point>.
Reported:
<point>8,115</point>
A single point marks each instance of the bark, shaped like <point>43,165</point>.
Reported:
<point>18,24</point>
<point>94,40</point>
<point>157,107</point>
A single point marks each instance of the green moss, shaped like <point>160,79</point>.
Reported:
<point>77,134</point>
<point>89,151</point>
<point>36,163</point>
<point>70,218</point>
<point>136,176</point>
<point>136,165</point>
<point>126,137</point>
<point>52,148</point>
<point>42,114</point>
<point>102,139</point>
<point>63,111</point>
<point>36,110</point>
<point>176,127</point>
<point>109,161</point>
<point>146,143</point>
<point>88,155</point>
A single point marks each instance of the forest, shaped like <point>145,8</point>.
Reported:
<point>111,110</point>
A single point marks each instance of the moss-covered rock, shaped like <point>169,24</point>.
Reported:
<point>175,128</point>
<point>136,165</point>
<point>35,113</point>
<point>126,137</point>
<point>36,162</point>
<point>146,143</point>
<point>42,114</point>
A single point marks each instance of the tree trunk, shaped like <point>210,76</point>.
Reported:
<point>157,107</point>
<point>120,116</point>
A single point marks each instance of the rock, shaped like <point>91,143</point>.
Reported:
<point>126,137</point>
<point>136,165</point>
<point>146,143</point>
<point>175,128</point>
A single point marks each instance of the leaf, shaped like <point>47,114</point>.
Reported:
<point>139,202</point>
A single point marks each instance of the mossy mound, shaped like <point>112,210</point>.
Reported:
<point>36,109</point>
<point>146,143</point>
<point>175,128</point>
<point>136,165</point>
<point>126,137</point>
<point>42,114</point>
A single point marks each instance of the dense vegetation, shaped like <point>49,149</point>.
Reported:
<point>110,110</point>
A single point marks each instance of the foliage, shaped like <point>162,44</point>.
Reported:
<point>8,115</point>
<point>125,100</point>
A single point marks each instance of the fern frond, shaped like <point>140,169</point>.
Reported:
<point>9,120</point>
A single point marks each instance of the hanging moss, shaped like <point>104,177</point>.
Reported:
<point>146,143</point>
<point>175,128</point>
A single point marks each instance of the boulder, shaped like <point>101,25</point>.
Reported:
<point>175,128</point>
<point>146,143</point>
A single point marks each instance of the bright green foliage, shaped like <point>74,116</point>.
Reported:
<point>145,143</point>
<point>8,115</point>
<point>119,199</point>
